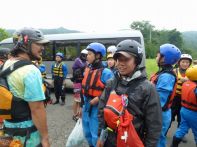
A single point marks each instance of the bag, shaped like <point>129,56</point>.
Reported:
<point>127,135</point>
<point>8,141</point>
<point>46,89</point>
<point>113,110</point>
<point>119,119</point>
<point>12,107</point>
<point>76,138</point>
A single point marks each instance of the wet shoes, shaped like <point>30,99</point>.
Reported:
<point>56,102</point>
<point>62,103</point>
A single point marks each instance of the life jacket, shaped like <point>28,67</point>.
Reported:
<point>92,86</point>
<point>179,82</point>
<point>188,97</point>
<point>57,70</point>
<point>44,72</point>
<point>12,108</point>
<point>120,120</point>
<point>154,78</point>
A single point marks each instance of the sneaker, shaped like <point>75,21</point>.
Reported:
<point>62,103</point>
<point>56,102</point>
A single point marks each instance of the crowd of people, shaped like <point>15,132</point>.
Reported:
<point>119,106</point>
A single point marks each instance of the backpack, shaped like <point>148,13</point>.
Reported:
<point>11,107</point>
<point>78,74</point>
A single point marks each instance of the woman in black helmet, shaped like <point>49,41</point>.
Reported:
<point>142,101</point>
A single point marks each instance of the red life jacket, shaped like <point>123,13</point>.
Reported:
<point>154,79</point>
<point>92,86</point>
<point>188,97</point>
<point>119,119</point>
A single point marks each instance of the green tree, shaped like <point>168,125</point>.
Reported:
<point>147,31</point>
<point>175,37</point>
<point>3,34</point>
<point>154,38</point>
<point>145,27</point>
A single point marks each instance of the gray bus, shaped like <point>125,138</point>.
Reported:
<point>72,43</point>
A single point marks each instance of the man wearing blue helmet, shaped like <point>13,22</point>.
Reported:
<point>95,78</point>
<point>165,82</point>
<point>59,73</point>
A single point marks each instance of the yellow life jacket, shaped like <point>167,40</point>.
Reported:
<point>11,107</point>
<point>57,70</point>
<point>179,82</point>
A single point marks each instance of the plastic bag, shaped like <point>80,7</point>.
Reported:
<point>76,137</point>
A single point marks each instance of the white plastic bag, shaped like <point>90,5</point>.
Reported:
<point>76,137</point>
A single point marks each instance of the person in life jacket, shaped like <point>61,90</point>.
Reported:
<point>78,70</point>
<point>165,83</point>
<point>41,67</point>
<point>59,72</point>
<point>139,122</point>
<point>111,63</point>
<point>28,121</point>
<point>93,84</point>
<point>183,64</point>
<point>110,50</point>
<point>4,55</point>
<point>189,107</point>
<point>46,85</point>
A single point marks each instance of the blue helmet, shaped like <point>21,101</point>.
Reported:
<point>170,52</point>
<point>97,48</point>
<point>60,54</point>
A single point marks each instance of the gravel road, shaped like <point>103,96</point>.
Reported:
<point>60,125</point>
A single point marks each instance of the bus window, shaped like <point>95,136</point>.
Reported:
<point>7,45</point>
<point>48,53</point>
<point>60,47</point>
<point>71,52</point>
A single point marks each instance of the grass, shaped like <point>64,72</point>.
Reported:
<point>151,67</point>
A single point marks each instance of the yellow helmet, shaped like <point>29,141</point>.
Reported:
<point>109,56</point>
<point>191,73</point>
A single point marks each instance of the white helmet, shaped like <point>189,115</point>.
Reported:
<point>111,49</point>
<point>84,51</point>
<point>186,56</point>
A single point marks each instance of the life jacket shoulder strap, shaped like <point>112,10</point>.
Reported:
<point>14,67</point>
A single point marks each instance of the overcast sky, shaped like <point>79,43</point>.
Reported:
<point>98,15</point>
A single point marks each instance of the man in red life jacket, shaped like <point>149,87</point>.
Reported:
<point>189,107</point>
<point>129,106</point>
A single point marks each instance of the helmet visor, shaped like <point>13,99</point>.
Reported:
<point>43,41</point>
<point>125,54</point>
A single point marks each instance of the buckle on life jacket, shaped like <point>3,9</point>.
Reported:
<point>20,131</point>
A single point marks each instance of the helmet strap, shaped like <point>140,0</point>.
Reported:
<point>29,51</point>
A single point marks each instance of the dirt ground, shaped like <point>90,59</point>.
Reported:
<point>60,125</point>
